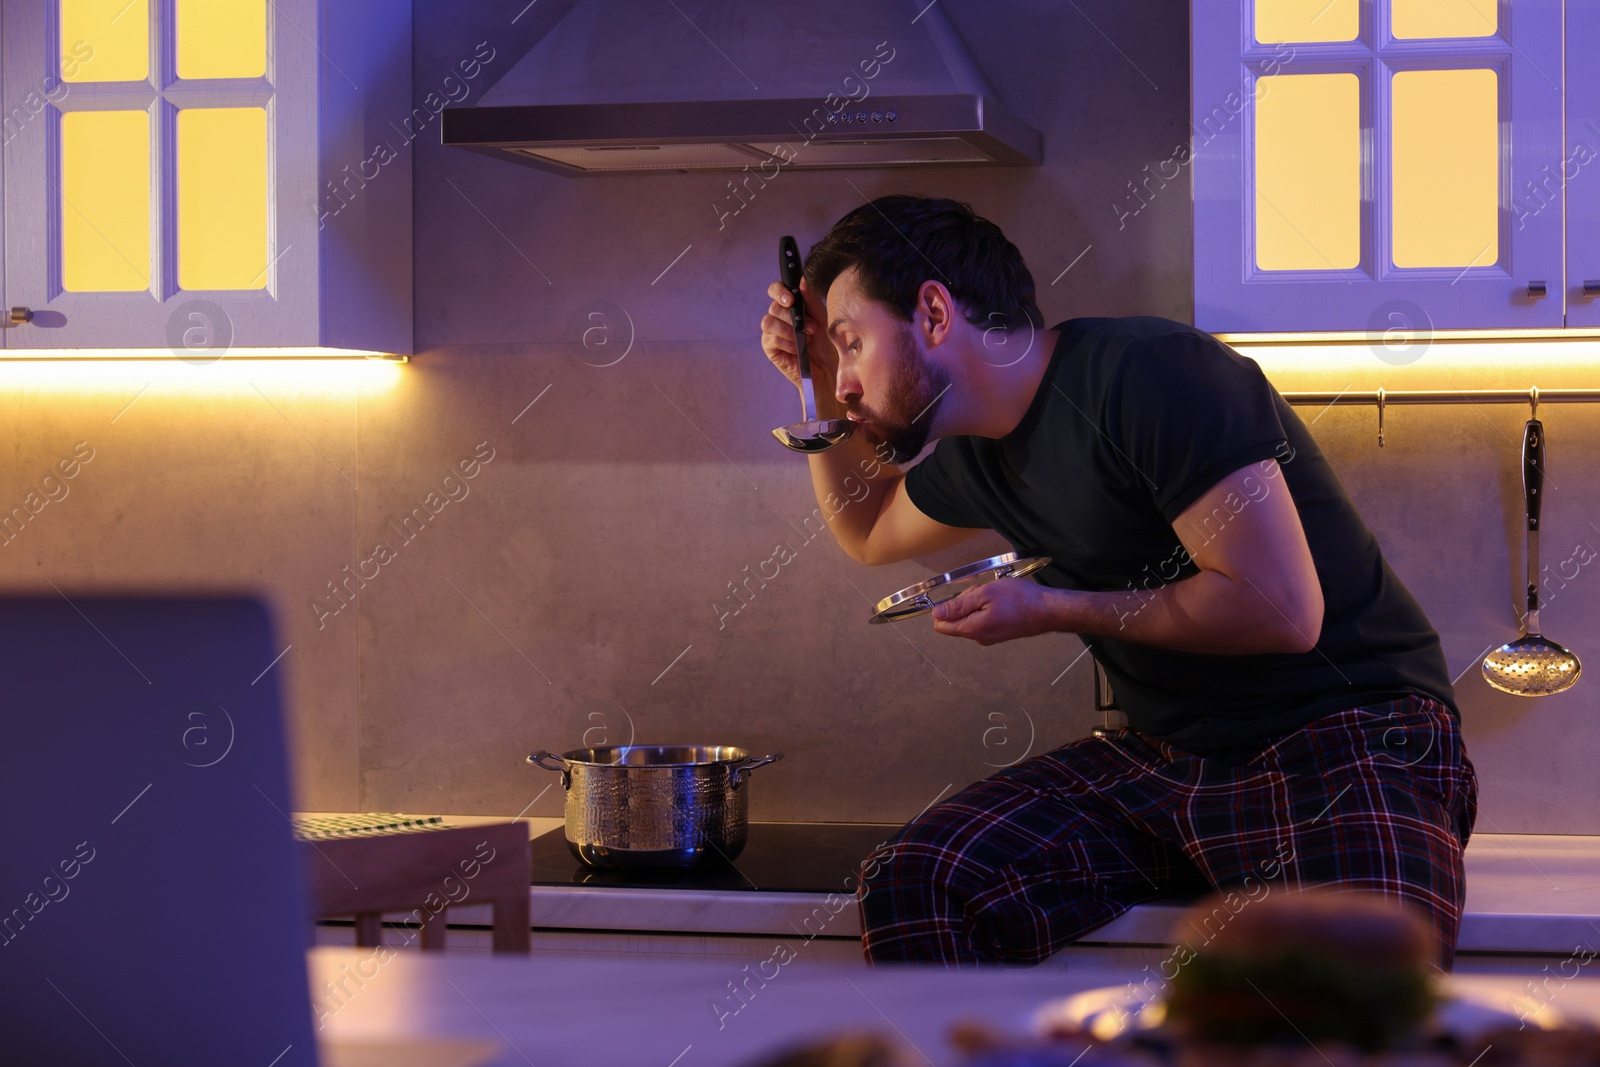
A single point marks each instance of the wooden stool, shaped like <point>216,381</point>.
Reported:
<point>425,872</point>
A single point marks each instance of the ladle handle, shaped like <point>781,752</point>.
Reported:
<point>789,263</point>
<point>1533,470</point>
<point>1533,496</point>
<point>789,274</point>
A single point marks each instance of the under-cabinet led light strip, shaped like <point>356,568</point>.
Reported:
<point>197,356</point>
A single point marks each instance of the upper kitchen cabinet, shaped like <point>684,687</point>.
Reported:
<point>1365,165</point>
<point>204,174</point>
<point>1578,171</point>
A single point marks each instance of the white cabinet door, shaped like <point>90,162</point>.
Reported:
<point>1362,165</point>
<point>163,165</point>
<point>1578,171</point>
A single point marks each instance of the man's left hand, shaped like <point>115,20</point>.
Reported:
<point>997,611</point>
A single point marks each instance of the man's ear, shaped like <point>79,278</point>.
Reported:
<point>939,309</point>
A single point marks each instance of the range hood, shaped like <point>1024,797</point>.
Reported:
<point>625,86</point>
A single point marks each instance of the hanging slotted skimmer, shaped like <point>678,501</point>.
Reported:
<point>1532,665</point>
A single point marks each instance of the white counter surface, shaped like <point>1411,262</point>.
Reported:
<point>1526,894</point>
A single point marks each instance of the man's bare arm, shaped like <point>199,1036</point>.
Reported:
<point>1256,592</point>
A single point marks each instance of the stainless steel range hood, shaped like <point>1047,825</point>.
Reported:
<point>623,86</point>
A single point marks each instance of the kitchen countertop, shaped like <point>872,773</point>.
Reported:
<point>1526,894</point>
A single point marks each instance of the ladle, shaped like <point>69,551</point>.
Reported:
<point>810,434</point>
<point>1532,665</point>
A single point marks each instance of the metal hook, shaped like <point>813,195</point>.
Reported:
<point>1533,401</point>
<point>1380,417</point>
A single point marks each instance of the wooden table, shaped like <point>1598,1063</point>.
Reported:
<point>555,1011</point>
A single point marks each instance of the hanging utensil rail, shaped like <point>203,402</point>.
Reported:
<point>1534,395</point>
<point>1382,398</point>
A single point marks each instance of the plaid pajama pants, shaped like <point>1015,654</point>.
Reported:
<point>1379,798</point>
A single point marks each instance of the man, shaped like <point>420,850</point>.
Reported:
<point>1291,720</point>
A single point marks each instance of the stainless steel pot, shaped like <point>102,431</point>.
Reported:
<point>654,806</point>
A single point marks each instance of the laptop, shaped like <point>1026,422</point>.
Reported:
<point>152,905</point>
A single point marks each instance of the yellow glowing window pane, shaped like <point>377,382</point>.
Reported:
<point>1446,150</point>
<point>1308,172</point>
<point>105,40</point>
<point>1444,18</point>
<point>1307,20</point>
<point>222,38</point>
<point>222,198</point>
<point>105,201</point>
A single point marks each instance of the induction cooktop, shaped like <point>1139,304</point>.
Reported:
<point>778,857</point>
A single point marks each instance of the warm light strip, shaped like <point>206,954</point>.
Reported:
<point>1405,362</point>
<point>227,377</point>
<point>198,356</point>
<point>1438,336</point>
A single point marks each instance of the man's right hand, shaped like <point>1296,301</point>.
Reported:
<point>777,339</point>
<point>880,525</point>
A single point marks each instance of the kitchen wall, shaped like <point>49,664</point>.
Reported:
<point>592,582</point>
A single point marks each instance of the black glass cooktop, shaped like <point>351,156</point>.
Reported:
<point>782,857</point>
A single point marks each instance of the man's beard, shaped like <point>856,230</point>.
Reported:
<point>916,390</point>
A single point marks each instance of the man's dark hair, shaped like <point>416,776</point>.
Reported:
<point>898,242</point>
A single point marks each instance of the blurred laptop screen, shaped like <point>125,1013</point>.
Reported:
<point>152,909</point>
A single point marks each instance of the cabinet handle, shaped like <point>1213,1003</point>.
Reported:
<point>1537,289</point>
<point>21,315</point>
<point>1591,287</point>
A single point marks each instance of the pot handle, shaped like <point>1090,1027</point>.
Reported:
<point>750,763</point>
<point>538,760</point>
<point>539,757</point>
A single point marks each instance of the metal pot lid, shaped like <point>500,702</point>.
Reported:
<point>923,597</point>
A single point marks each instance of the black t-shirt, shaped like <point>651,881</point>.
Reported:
<point>1135,419</point>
